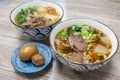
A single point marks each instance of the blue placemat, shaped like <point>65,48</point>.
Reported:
<point>28,67</point>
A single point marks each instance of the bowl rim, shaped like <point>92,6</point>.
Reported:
<point>87,63</point>
<point>10,17</point>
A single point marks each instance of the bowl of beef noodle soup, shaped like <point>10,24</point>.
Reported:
<point>36,19</point>
<point>83,44</point>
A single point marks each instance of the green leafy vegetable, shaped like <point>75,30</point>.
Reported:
<point>77,33</point>
<point>71,31</point>
<point>88,35</point>
<point>23,13</point>
<point>31,10</point>
<point>90,30</point>
<point>85,28</point>
<point>63,35</point>
<point>94,36</point>
<point>74,29</point>
<point>22,16</point>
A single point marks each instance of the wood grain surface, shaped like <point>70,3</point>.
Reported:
<point>105,11</point>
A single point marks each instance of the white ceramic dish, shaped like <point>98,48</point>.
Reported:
<point>36,33</point>
<point>98,25</point>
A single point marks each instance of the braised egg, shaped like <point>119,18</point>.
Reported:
<point>38,59</point>
<point>26,52</point>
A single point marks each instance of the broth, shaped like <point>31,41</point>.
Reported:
<point>82,43</point>
<point>37,16</point>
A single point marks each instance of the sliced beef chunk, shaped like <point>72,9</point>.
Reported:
<point>33,21</point>
<point>77,57</point>
<point>73,38</point>
<point>61,44</point>
<point>30,17</point>
<point>41,21</point>
<point>78,43</point>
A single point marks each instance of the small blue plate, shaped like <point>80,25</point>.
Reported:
<point>28,67</point>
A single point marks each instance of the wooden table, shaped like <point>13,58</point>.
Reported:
<point>105,11</point>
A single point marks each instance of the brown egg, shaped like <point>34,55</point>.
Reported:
<point>38,59</point>
<point>27,52</point>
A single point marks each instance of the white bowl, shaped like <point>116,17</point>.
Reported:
<point>97,25</point>
<point>36,33</point>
